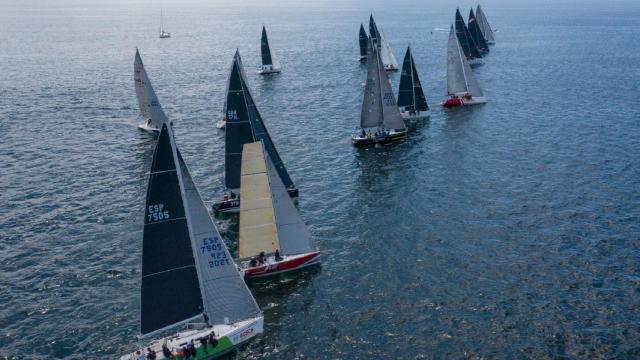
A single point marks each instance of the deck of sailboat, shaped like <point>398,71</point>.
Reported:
<point>288,263</point>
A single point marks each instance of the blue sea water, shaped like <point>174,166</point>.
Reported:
<point>507,230</point>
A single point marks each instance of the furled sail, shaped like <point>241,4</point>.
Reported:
<point>170,288</point>
<point>468,45</point>
<point>410,93</point>
<point>484,26</point>
<point>268,218</point>
<point>245,125</point>
<point>363,42</point>
<point>476,33</point>
<point>460,79</point>
<point>150,107</point>
<point>224,292</point>
<point>371,115</point>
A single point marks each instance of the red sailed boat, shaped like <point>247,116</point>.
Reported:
<point>273,238</point>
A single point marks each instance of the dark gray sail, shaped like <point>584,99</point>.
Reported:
<point>170,289</point>
<point>264,48</point>
<point>476,33</point>
<point>484,25</point>
<point>410,93</point>
<point>245,125</point>
<point>468,45</point>
<point>373,31</point>
<point>371,115</point>
<point>391,118</point>
<point>363,43</point>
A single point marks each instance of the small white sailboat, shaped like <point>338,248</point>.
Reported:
<point>484,26</point>
<point>163,33</point>
<point>189,279</point>
<point>462,86</point>
<point>150,107</point>
<point>273,239</point>
<point>270,62</point>
<point>380,119</point>
<point>389,61</point>
<point>411,100</point>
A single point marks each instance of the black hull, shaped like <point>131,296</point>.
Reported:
<point>361,142</point>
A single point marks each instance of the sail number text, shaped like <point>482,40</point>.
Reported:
<point>157,213</point>
<point>214,247</point>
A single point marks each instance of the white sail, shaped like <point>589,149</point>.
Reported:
<point>225,294</point>
<point>150,107</point>
<point>484,25</point>
<point>388,59</point>
<point>460,78</point>
<point>391,118</point>
<point>275,59</point>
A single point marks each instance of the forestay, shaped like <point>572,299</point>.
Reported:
<point>150,107</point>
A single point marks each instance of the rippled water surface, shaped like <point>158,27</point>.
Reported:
<point>508,230</point>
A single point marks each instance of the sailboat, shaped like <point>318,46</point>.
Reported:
<point>363,43</point>
<point>380,119</point>
<point>163,33</point>
<point>273,238</point>
<point>411,100</point>
<point>484,26</point>
<point>189,279</point>
<point>244,125</point>
<point>476,33</point>
<point>462,86</point>
<point>469,47</point>
<point>388,59</point>
<point>270,63</point>
<point>150,107</point>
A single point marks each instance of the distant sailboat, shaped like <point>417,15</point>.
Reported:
<point>363,43</point>
<point>163,33</point>
<point>386,54</point>
<point>380,119</point>
<point>189,279</point>
<point>469,47</point>
<point>411,99</point>
<point>484,26</point>
<point>150,107</point>
<point>244,125</point>
<point>270,63</point>
<point>476,33</point>
<point>462,86</point>
<point>273,238</point>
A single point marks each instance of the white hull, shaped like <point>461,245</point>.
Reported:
<point>221,124</point>
<point>268,69</point>
<point>422,115</point>
<point>390,67</point>
<point>238,333</point>
<point>148,128</point>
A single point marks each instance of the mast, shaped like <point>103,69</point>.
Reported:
<point>161,24</point>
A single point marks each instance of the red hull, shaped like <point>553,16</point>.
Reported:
<point>289,263</point>
<point>450,103</point>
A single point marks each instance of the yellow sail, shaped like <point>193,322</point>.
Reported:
<point>258,231</point>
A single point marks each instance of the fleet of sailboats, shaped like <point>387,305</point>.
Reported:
<point>273,238</point>
<point>244,125</point>
<point>411,99</point>
<point>270,62</point>
<point>150,107</point>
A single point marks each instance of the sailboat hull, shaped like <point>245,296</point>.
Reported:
<point>457,102</point>
<point>221,123</point>
<point>268,69</point>
<point>273,267</point>
<point>233,205</point>
<point>360,141</point>
<point>390,67</point>
<point>229,337</point>
<point>475,62</point>
<point>406,115</point>
<point>148,128</point>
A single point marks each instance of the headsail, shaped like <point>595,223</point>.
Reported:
<point>484,26</point>
<point>170,288</point>
<point>410,93</point>
<point>468,45</point>
<point>245,125</point>
<point>371,115</point>
<point>363,42</point>
<point>150,107</point>
<point>476,33</point>
<point>388,59</point>
<point>373,31</point>
<point>224,292</point>
<point>268,218</point>
<point>460,79</point>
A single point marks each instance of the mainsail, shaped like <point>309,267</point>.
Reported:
<point>373,31</point>
<point>484,26</point>
<point>245,125</point>
<point>468,45</point>
<point>410,93</point>
<point>268,55</point>
<point>371,115</point>
<point>476,33</point>
<point>150,107</point>
<point>391,118</point>
<point>363,42</point>
<point>269,220</point>
<point>460,79</point>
